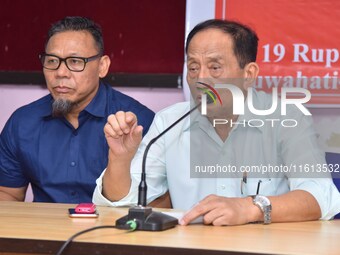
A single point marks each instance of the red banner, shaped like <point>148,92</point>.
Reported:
<point>298,43</point>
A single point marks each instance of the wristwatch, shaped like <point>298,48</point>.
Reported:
<point>265,206</point>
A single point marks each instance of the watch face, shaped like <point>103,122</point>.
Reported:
<point>263,200</point>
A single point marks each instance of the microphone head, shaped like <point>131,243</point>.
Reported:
<point>211,97</point>
<point>208,91</point>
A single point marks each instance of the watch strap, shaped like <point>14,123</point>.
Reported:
<point>265,208</point>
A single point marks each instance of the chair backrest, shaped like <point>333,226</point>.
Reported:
<point>333,160</point>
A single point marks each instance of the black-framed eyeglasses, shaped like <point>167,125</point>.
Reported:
<point>74,64</point>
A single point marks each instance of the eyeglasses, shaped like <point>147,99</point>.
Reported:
<point>74,64</point>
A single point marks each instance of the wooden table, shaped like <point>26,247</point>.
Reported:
<point>41,228</point>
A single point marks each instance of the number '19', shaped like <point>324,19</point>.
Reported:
<point>278,51</point>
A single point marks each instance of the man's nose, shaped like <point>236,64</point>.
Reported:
<point>63,69</point>
<point>203,73</point>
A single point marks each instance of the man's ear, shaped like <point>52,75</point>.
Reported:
<point>104,66</point>
<point>251,70</point>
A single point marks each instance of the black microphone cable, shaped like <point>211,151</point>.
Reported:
<point>130,226</point>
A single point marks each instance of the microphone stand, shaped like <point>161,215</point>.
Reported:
<point>143,216</point>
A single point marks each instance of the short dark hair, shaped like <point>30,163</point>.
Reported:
<point>245,40</point>
<point>77,23</point>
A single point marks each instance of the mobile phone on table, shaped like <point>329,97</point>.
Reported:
<point>83,210</point>
<point>74,214</point>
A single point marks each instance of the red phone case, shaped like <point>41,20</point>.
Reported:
<point>85,208</point>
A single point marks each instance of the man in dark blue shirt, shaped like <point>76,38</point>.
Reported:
<point>57,143</point>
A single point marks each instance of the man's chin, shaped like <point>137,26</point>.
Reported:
<point>61,107</point>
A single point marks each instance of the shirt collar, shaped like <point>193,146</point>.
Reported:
<point>194,117</point>
<point>47,110</point>
<point>98,104</point>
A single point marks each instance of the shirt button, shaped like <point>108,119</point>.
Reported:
<point>223,187</point>
<point>73,163</point>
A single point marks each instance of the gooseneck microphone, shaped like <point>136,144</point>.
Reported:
<point>143,216</point>
<point>142,188</point>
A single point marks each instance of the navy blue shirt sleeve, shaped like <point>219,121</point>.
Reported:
<point>10,169</point>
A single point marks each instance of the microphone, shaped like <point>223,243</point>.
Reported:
<point>143,216</point>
